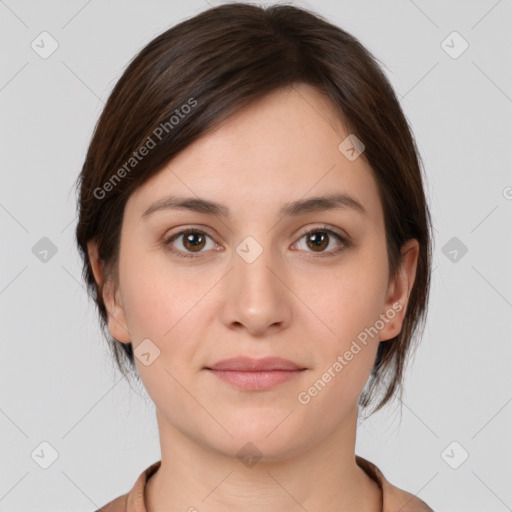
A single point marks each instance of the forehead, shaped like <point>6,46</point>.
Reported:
<point>280,148</point>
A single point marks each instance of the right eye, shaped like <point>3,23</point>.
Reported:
<point>192,241</point>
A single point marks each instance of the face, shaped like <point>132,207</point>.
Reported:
<point>259,278</point>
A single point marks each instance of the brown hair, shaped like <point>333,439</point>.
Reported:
<point>189,78</point>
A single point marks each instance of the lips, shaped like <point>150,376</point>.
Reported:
<point>247,364</point>
<point>255,374</point>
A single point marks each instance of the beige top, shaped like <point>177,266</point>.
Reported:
<point>394,499</point>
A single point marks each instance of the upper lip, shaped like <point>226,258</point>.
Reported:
<point>248,364</point>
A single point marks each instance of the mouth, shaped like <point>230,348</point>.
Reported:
<point>256,374</point>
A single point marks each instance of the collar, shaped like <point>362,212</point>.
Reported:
<point>394,499</point>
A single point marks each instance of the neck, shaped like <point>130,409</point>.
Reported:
<point>193,477</point>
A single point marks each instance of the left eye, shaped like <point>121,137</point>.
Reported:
<point>193,241</point>
<point>318,239</point>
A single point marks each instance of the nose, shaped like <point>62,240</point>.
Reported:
<point>256,296</point>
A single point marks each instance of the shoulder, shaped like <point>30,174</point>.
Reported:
<point>117,505</point>
<point>403,501</point>
<point>394,498</point>
<point>132,501</point>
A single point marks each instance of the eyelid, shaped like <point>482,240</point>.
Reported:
<point>201,228</point>
<point>327,227</point>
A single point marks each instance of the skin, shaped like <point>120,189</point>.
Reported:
<point>290,302</point>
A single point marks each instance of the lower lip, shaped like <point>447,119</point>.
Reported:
<point>256,381</point>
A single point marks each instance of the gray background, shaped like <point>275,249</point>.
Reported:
<point>57,384</point>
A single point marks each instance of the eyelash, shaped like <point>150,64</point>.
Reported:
<point>323,229</point>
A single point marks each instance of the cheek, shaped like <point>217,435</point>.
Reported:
<point>161,306</point>
<point>157,295</point>
<point>168,305</point>
<point>149,312</point>
<point>348,300</point>
<point>346,352</point>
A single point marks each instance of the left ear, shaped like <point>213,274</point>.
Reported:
<point>398,291</point>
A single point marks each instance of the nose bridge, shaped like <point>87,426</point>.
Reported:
<point>252,267</point>
<point>255,297</point>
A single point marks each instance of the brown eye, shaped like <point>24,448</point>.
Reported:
<point>191,241</point>
<point>320,238</point>
<point>194,241</point>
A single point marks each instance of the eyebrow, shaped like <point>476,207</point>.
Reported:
<point>290,209</point>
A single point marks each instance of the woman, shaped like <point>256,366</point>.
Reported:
<point>256,237</point>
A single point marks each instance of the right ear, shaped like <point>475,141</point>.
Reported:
<point>116,315</point>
